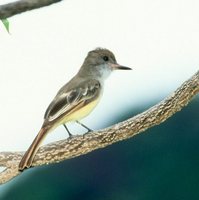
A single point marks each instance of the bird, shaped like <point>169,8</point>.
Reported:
<point>76,99</point>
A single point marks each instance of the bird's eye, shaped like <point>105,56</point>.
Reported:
<point>105,58</point>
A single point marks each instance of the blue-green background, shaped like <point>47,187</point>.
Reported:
<point>161,163</point>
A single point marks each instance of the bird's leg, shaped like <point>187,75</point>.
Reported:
<point>89,130</point>
<point>69,133</point>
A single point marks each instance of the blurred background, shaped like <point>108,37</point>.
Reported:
<point>46,47</point>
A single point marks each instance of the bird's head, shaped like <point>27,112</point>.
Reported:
<point>100,63</point>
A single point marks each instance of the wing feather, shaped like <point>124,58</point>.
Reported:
<point>68,101</point>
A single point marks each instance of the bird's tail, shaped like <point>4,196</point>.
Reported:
<point>28,157</point>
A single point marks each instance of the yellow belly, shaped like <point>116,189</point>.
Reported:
<point>79,114</point>
<point>83,112</point>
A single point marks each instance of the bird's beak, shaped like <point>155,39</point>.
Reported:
<point>117,66</point>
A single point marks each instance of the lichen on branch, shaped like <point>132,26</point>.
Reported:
<point>82,144</point>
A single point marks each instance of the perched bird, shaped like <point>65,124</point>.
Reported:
<point>76,99</point>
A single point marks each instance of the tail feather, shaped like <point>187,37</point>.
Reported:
<point>28,157</point>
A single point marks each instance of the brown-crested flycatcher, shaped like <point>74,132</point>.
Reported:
<point>77,98</point>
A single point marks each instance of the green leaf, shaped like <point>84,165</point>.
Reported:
<point>6,24</point>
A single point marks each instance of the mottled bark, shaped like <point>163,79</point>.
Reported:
<point>17,7</point>
<point>79,145</point>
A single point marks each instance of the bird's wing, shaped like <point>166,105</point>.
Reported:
<point>69,101</point>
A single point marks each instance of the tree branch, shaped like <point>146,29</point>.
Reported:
<point>79,145</point>
<point>17,7</point>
